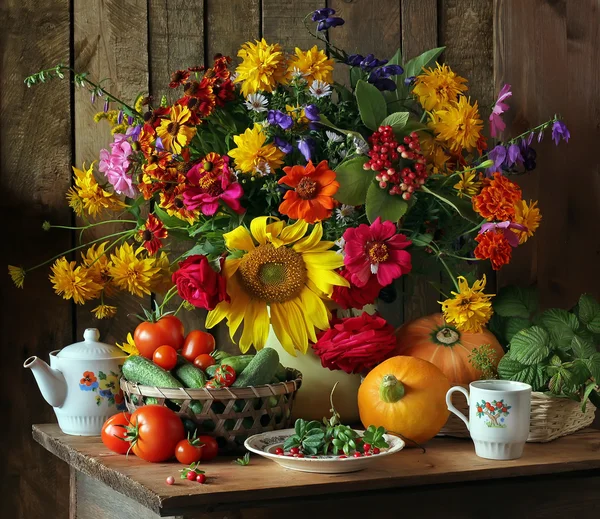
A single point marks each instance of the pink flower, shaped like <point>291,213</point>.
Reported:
<point>497,125</point>
<point>378,250</point>
<point>115,165</point>
<point>511,237</point>
<point>206,189</point>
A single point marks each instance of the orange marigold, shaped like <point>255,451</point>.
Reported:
<point>311,198</point>
<point>497,199</point>
<point>494,246</point>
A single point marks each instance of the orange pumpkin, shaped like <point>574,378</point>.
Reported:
<point>430,338</point>
<point>405,395</point>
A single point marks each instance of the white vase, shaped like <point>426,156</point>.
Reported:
<point>312,400</point>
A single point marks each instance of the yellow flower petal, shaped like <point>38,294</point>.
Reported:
<point>239,239</point>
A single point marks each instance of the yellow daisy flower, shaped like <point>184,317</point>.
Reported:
<point>87,196</point>
<point>17,274</point>
<point>104,311</point>
<point>435,154</point>
<point>161,282</point>
<point>174,132</point>
<point>98,265</point>
<point>470,309</point>
<point>73,282</point>
<point>297,113</point>
<point>130,272</point>
<point>435,88</point>
<point>279,277</point>
<point>529,216</point>
<point>252,155</point>
<point>469,184</point>
<point>262,67</point>
<point>314,64</point>
<point>459,125</point>
<point>129,346</point>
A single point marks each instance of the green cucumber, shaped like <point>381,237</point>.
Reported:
<point>281,373</point>
<point>261,370</point>
<point>143,371</point>
<point>239,363</point>
<point>190,375</point>
<point>210,371</point>
<point>219,355</point>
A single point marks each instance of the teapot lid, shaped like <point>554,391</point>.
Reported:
<point>90,348</point>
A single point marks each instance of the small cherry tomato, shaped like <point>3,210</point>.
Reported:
<point>203,361</point>
<point>149,336</point>
<point>201,478</point>
<point>225,375</point>
<point>191,475</point>
<point>210,448</point>
<point>114,433</point>
<point>165,357</point>
<point>170,480</point>
<point>188,451</point>
<point>196,343</point>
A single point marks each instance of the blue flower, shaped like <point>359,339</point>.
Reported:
<point>283,145</point>
<point>354,60</point>
<point>498,155</point>
<point>560,131</point>
<point>409,80</point>
<point>312,113</point>
<point>381,77</point>
<point>322,14</point>
<point>106,393</point>
<point>331,21</point>
<point>91,387</point>
<point>306,145</point>
<point>277,117</point>
<point>514,155</point>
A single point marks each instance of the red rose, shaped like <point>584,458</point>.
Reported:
<point>356,344</point>
<point>199,284</point>
<point>354,297</point>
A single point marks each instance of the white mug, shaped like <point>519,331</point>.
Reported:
<point>499,413</point>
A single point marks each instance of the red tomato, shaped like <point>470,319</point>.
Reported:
<point>188,451</point>
<point>113,435</point>
<point>210,448</point>
<point>158,431</point>
<point>225,375</point>
<point>168,330</point>
<point>165,357</point>
<point>203,361</point>
<point>196,343</point>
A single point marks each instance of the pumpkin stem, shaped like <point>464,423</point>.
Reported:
<point>447,336</point>
<point>391,389</point>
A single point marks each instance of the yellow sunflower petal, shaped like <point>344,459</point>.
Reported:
<point>216,315</point>
<point>315,309</point>
<point>312,240</point>
<point>293,232</point>
<point>239,239</point>
<point>281,326</point>
<point>296,325</point>
<point>324,260</point>
<point>230,267</point>
<point>258,228</point>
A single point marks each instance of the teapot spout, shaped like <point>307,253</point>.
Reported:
<point>51,382</point>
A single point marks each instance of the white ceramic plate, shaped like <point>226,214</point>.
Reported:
<point>265,444</point>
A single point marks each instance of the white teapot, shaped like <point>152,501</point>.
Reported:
<point>81,383</point>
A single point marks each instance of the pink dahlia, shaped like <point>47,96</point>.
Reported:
<point>205,189</point>
<point>115,165</point>
<point>376,250</point>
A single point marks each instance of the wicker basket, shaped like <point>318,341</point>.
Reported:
<point>551,418</point>
<point>229,414</point>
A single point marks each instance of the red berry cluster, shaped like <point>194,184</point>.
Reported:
<point>384,150</point>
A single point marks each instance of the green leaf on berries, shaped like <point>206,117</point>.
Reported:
<point>354,181</point>
<point>371,104</point>
<point>380,203</point>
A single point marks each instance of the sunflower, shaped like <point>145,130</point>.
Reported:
<point>252,155</point>
<point>314,65</point>
<point>174,132</point>
<point>262,67</point>
<point>469,184</point>
<point>529,216</point>
<point>86,196</point>
<point>130,272</point>
<point>74,282</point>
<point>104,311</point>
<point>277,267</point>
<point>311,196</point>
<point>459,125</point>
<point>435,88</point>
<point>470,309</point>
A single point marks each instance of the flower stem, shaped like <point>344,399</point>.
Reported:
<point>449,272</point>
<point>89,226</point>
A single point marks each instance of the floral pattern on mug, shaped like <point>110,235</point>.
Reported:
<point>106,386</point>
<point>493,412</point>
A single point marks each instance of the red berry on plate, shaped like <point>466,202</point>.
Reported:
<point>376,450</point>
<point>294,450</point>
<point>367,447</point>
<point>357,454</point>
<point>368,454</point>
<point>300,455</point>
<point>201,478</point>
<point>343,456</point>
<point>170,480</point>
<point>191,475</point>
<point>279,451</point>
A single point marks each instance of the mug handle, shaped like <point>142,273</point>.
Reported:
<point>453,409</point>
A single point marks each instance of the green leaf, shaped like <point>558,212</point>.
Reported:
<point>396,59</point>
<point>513,301</point>
<point>371,104</point>
<point>588,311</point>
<point>291,441</point>
<point>167,220</point>
<point>356,74</point>
<point>354,181</point>
<point>509,369</point>
<point>414,67</point>
<point>300,427</point>
<point>561,325</point>
<point>462,206</point>
<point>582,348</point>
<point>326,122</point>
<point>530,346</point>
<point>586,395</point>
<point>421,240</point>
<point>397,120</point>
<point>514,325</point>
<point>593,364</point>
<point>380,203</point>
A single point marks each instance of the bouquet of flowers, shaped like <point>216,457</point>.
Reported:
<point>295,195</point>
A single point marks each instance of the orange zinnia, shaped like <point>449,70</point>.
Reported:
<point>494,246</point>
<point>311,198</point>
<point>497,199</point>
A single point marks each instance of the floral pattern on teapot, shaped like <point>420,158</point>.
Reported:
<point>106,386</point>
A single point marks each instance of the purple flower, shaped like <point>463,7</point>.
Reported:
<point>529,139</point>
<point>312,113</point>
<point>370,62</point>
<point>106,106</point>
<point>497,125</point>
<point>540,135</point>
<point>93,98</point>
<point>560,131</point>
<point>514,154</point>
<point>381,77</point>
<point>332,21</point>
<point>511,237</point>
<point>322,14</point>
<point>283,145</point>
<point>130,119</point>
<point>277,117</point>
<point>133,132</point>
<point>158,144</point>
<point>120,117</point>
<point>409,80</point>
<point>498,155</point>
<point>306,145</point>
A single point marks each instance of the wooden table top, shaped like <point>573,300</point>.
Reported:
<point>446,461</point>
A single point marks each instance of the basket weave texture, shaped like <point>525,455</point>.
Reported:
<point>551,418</point>
<point>229,414</point>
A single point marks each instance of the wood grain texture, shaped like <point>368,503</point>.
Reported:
<point>446,461</point>
<point>282,22</point>
<point>110,38</point>
<point>35,158</point>
<point>419,27</point>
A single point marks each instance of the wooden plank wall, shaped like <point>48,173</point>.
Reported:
<point>545,48</point>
